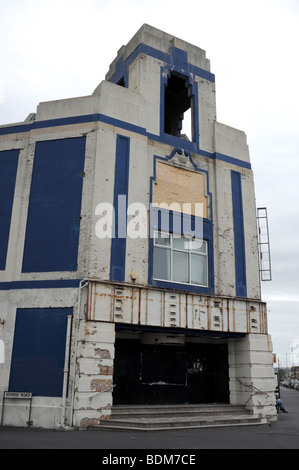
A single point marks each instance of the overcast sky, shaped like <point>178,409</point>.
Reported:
<point>55,49</point>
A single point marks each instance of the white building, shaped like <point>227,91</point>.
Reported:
<point>105,297</point>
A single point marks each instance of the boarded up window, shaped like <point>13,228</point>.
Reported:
<point>39,351</point>
<point>179,186</point>
<point>53,223</point>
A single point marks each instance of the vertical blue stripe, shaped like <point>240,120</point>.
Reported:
<point>121,185</point>
<point>238,219</point>
<point>194,110</point>
<point>8,171</point>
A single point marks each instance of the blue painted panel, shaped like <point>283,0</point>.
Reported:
<point>41,284</point>
<point>121,73</point>
<point>121,185</point>
<point>179,58</point>
<point>39,351</point>
<point>240,261</point>
<point>53,222</point>
<point>8,171</point>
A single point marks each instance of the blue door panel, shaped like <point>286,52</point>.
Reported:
<point>39,351</point>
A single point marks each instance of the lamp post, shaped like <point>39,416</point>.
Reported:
<point>296,341</point>
<point>295,357</point>
<point>288,354</point>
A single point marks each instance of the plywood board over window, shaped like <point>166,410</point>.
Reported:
<point>179,186</point>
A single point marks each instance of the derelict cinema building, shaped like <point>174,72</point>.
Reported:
<point>129,261</point>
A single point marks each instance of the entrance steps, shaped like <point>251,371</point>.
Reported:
<point>167,417</point>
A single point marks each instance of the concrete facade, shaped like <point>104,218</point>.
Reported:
<point>63,262</point>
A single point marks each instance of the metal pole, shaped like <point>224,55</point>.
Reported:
<point>66,369</point>
<point>2,412</point>
<point>82,284</point>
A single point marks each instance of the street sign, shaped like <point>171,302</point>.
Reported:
<point>17,395</point>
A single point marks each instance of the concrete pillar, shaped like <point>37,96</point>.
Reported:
<point>94,374</point>
<point>251,374</point>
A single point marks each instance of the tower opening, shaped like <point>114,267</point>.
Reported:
<point>178,105</point>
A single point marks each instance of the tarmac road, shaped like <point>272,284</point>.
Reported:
<point>283,434</point>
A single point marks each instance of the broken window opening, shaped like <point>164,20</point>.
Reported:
<point>186,131</point>
<point>178,108</point>
<point>121,82</point>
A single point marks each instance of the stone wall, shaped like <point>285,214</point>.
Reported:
<point>94,373</point>
<point>252,374</point>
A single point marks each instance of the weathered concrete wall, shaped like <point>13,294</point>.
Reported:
<point>94,373</point>
<point>252,374</point>
<point>224,232</point>
<point>162,41</point>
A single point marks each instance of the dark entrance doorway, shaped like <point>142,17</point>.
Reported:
<point>164,374</point>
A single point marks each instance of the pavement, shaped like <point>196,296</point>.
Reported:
<point>282,434</point>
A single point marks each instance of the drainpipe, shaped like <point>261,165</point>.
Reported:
<point>82,284</point>
<point>66,369</point>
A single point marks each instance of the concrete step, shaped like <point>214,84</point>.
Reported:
<point>169,411</point>
<point>167,417</point>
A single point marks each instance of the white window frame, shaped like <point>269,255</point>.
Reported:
<point>189,251</point>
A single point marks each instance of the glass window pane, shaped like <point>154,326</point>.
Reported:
<point>162,239</point>
<point>161,268</point>
<point>199,270</point>
<point>180,272</point>
<point>180,243</point>
<point>199,246</point>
